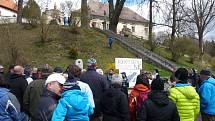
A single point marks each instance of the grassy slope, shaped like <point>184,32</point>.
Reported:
<point>89,43</point>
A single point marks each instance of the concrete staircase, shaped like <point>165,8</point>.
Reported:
<point>138,48</point>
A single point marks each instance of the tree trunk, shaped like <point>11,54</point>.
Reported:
<point>150,27</point>
<point>19,14</point>
<point>173,30</point>
<point>84,14</point>
<point>201,46</point>
<point>115,13</point>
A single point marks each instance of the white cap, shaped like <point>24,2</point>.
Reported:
<point>1,66</point>
<point>56,77</point>
<point>116,79</point>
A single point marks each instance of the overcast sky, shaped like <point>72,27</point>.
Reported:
<point>143,11</point>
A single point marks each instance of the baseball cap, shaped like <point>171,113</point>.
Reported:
<point>55,77</point>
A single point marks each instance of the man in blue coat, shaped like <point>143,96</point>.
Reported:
<point>207,96</point>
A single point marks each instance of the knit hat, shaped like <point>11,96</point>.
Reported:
<point>91,62</point>
<point>182,74</point>
<point>157,84</point>
<point>205,72</point>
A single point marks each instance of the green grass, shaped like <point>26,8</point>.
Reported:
<point>89,43</point>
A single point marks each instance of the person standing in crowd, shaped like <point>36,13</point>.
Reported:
<point>33,93</point>
<point>10,71</point>
<point>74,73</point>
<point>74,105</point>
<point>138,94</point>
<point>109,76</point>
<point>18,84</point>
<point>207,96</point>
<point>185,96</point>
<point>114,102</point>
<point>158,107</point>
<point>27,73</point>
<point>50,97</point>
<point>1,70</point>
<point>9,105</point>
<point>98,85</point>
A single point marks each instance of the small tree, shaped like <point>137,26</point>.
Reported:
<point>32,12</point>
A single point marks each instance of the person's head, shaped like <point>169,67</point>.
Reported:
<point>73,71</point>
<point>158,84</point>
<point>116,81</point>
<point>204,75</point>
<point>91,63</point>
<point>19,70</point>
<point>27,71</point>
<point>55,82</point>
<point>58,70</point>
<point>1,69</point>
<point>11,69</point>
<point>143,79</point>
<point>111,72</point>
<point>181,75</point>
<point>4,83</point>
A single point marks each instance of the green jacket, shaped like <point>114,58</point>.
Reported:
<point>187,102</point>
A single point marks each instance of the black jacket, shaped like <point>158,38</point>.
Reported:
<point>32,96</point>
<point>46,105</point>
<point>18,86</point>
<point>98,84</point>
<point>114,105</point>
<point>158,107</point>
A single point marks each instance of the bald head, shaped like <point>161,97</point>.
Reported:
<point>18,70</point>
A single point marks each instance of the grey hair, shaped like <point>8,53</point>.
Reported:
<point>116,79</point>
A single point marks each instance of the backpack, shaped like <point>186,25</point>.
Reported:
<point>135,103</point>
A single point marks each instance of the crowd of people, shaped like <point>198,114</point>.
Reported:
<point>77,95</point>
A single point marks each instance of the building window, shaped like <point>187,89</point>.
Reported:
<point>133,28</point>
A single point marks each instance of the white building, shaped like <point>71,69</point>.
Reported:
<point>8,11</point>
<point>129,19</point>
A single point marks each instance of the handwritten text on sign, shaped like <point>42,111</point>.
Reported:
<point>128,63</point>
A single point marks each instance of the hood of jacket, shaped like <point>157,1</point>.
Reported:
<point>159,97</point>
<point>3,91</point>
<point>187,90</point>
<point>75,98</point>
<point>210,80</point>
<point>141,87</point>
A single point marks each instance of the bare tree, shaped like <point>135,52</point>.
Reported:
<point>114,13</point>
<point>202,15</point>
<point>67,7</point>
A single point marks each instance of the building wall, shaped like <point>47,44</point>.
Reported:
<point>8,13</point>
<point>140,30</point>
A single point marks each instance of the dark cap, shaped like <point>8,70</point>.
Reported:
<point>58,70</point>
<point>205,72</point>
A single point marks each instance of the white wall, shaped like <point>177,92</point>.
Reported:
<point>5,12</point>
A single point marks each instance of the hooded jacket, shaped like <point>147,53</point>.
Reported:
<point>114,105</point>
<point>73,106</point>
<point>8,112</point>
<point>158,107</point>
<point>187,101</point>
<point>133,99</point>
<point>207,96</point>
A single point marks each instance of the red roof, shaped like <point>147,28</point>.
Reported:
<point>98,8</point>
<point>9,4</point>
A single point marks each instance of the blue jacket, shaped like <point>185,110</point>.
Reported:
<point>207,96</point>
<point>74,105</point>
<point>8,112</point>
